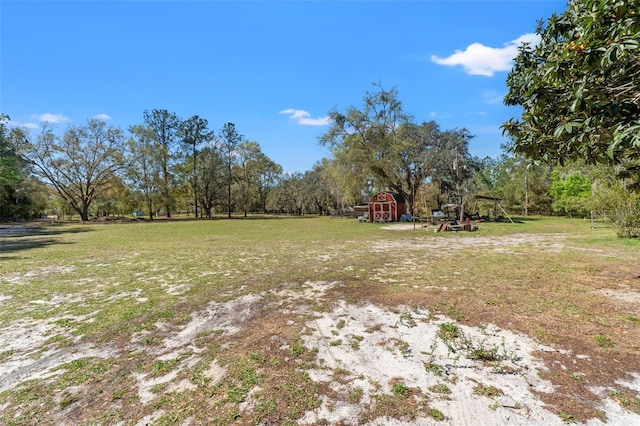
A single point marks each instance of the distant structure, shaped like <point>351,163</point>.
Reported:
<point>386,207</point>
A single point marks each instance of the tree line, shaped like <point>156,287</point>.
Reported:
<point>166,164</point>
<point>162,165</point>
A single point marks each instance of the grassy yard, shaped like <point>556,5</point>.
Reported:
<point>208,321</point>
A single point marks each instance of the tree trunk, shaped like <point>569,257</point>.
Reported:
<point>150,207</point>
<point>84,213</point>
<point>193,182</point>
<point>229,193</point>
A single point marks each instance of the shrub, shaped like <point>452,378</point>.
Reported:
<point>627,218</point>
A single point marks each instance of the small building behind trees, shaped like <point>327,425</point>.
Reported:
<point>386,207</point>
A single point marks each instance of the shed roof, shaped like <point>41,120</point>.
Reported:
<point>396,196</point>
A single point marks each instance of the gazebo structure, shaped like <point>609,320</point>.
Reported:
<point>386,207</point>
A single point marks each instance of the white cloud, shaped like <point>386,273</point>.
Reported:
<point>303,117</point>
<point>102,116</point>
<point>479,59</point>
<point>51,118</point>
<point>12,123</point>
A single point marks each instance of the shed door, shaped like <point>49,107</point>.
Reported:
<point>382,212</point>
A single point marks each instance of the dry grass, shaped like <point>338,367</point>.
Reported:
<point>209,317</point>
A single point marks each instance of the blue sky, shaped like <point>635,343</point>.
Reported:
<point>273,68</point>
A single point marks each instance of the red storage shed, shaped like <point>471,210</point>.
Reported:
<point>386,207</point>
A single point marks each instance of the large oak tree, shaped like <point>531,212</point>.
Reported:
<point>82,165</point>
<point>386,149</point>
<point>369,137</point>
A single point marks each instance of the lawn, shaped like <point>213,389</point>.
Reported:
<point>318,321</point>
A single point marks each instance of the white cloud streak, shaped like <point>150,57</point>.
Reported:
<point>11,123</point>
<point>303,118</point>
<point>478,59</point>
<point>51,118</point>
<point>102,116</point>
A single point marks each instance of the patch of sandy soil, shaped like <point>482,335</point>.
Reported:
<point>626,297</point>
<point>224,318</point>
<point>401,227</point>
<point>23,340</point>
<point>373,348</point>
<point>506,244</point>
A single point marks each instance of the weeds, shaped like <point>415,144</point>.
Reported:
<point>68,399</point>
<point>631,403</point>
<point>355,342</point>
<point>454,312</point>
<point>494,405</point>
<point>403,347</point>
<point>566,417</point>
<point>162,367</point>
<point>262,358</point>
<point>433,368</point>
<point>5,355</point>
<point>458,342</point>
<point>400,389</point>
<point>634,319</point>
<point>355,396</point>
<point>297,348</point>
<point>436,414</point>
<point>440,389</point>
<point>58,341</point>
<point>603,340</point>
<point>240,384</point>
<point>578,377</point>
<point>407,320</point>
<point>483,354</point>
<point>448,331</point>
<point>430,365</point>
<point>404,402</point>
<point>488,391</point>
